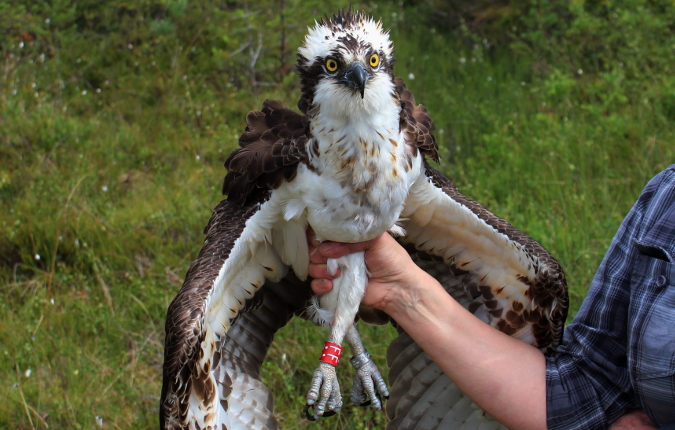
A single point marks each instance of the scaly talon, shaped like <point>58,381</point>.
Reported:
<point>324,392</point>
<point>368,383</point>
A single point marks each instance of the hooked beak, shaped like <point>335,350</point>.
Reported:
<point>356,76</point>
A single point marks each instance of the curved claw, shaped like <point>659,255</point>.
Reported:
<point>312,417</point>
<point>324,393</point>
<point>368,383</point>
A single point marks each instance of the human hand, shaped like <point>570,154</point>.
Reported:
<point>635,419</point>
<point>391,270</point>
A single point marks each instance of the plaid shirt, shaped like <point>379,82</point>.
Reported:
<point>619,351</point>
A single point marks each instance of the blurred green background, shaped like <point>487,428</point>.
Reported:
<point>116,117</point>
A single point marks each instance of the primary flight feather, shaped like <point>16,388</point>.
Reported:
<point>350,167</point>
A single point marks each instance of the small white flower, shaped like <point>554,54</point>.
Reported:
<point>130,46</point>
<point>99,421</point>
<point>462,60</point>
<point>522,84</point>
<point>411,76</point>
<point>489,78</point>
<point>581,72</point>
<point>28,372</point>
<point>37,257</point>
<point>51,301</point>
<point>84,92</point>
<point>36,95</point>
<point>21,45</point>
<point>104,188</point>
<point>33,85</point>
<point>47,21</point>
<point>98,90</point>
<point>197,157</point>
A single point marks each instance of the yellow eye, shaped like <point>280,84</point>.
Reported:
<point>374,60</point>
<point>331,65</point>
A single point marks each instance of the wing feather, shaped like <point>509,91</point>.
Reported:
<point>271,147</point>
<point>416,123</point>
<point>222,322</point>
<point>511,279</point>
<point>500,274</point>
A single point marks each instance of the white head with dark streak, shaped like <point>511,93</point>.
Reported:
<point>346,63</point>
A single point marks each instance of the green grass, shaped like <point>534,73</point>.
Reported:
<point>103,197</point>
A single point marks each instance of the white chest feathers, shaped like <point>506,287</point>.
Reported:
<point>357,180</point>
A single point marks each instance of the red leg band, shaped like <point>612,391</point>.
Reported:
<point>331,353</point>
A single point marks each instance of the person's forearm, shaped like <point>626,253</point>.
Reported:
<point>504,376</point>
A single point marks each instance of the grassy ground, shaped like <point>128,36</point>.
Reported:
<point>105,189</point>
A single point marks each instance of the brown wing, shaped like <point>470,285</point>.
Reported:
<point>221,323</point>
<point>500,274</point>
<point>273,144</point>
<point>415,121</point>
<point>218,328</point>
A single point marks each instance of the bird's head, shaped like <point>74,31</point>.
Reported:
<point>346,62</point>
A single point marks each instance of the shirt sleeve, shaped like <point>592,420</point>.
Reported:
<point>588,382</point>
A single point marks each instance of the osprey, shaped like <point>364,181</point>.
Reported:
<point>350,167</point>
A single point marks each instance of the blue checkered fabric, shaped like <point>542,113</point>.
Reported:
<point>619,351</point>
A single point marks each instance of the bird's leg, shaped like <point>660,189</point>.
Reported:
<point>367,380</point>
<point>342,304</point>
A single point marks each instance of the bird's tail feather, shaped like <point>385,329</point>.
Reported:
<point>423,397</point>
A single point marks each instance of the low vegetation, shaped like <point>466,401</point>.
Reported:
<point>116,117</point>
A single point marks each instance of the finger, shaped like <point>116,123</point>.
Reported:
<point>320,271</point>
<point>315,257</point>
<point>321,286</point>
<point>338,249</point>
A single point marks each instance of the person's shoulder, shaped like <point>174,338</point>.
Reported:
<point>663,182</point>
<point>667,175</point>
